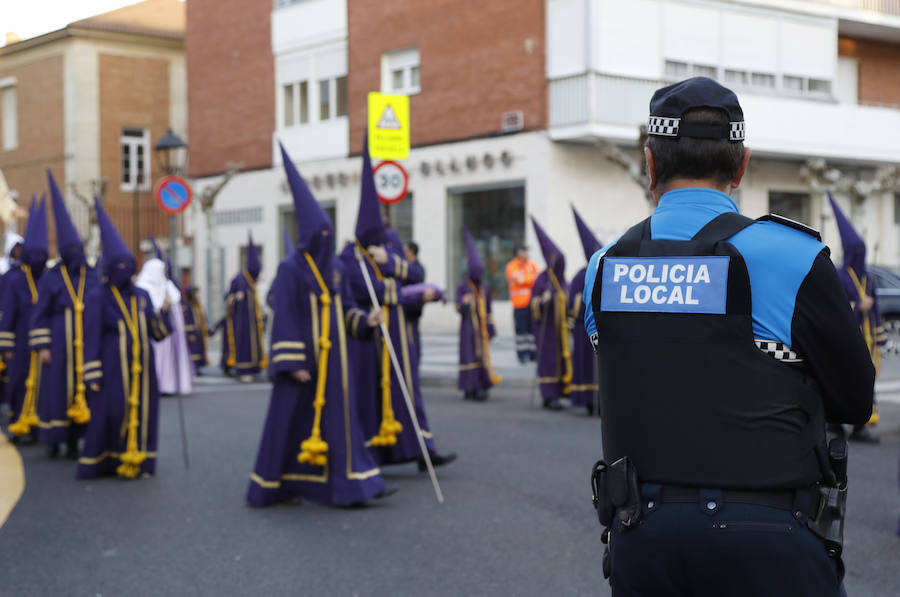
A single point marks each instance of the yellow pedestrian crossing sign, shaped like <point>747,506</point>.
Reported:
<point>388,126</point>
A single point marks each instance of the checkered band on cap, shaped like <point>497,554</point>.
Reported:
<point>736,131</point>
<point>662,126</point>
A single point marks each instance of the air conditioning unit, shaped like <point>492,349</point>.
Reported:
<point>512,121</point>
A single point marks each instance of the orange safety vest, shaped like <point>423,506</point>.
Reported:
<point>520,277</point>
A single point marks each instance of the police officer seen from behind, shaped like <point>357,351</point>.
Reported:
<point>725,344</point>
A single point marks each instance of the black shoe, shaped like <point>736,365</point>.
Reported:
<point>468,395</point>
<point>53,450</point>
<point>72,450</point>
<point>553,404</point>
<point>590,410</point>
<point>481,395</point>
<point>863,435</point>
<point>385,493</point>
<point>436,460</point>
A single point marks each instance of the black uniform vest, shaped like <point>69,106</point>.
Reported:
<point>688,396</point>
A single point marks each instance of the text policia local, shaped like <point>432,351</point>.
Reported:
<point>665,280</point>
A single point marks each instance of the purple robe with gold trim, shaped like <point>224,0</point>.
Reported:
<point>474,336</point>
<point>551,332</point>
<point>197,333</point>
<point>584,368</point>
<point>110,360</point>
<point>350,474</point>
<point>372,362</point>
<point>244,327</point>
<point>55,312</point>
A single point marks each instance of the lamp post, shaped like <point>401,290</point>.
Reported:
<point>171,151</point>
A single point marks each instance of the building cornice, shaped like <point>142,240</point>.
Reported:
<point>147,38</point>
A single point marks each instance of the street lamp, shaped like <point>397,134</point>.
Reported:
<point>171,151</point>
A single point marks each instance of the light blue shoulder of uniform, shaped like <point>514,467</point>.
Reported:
<point>778,259</point>
<point>590,278</point>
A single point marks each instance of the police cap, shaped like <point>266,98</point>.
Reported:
<point>668,105</point>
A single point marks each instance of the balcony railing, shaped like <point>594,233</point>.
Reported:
<point>891,7</point>
<point>591,106</point>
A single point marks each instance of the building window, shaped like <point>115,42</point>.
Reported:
<point>9,105</point>
<point>794,206</point>
<point>400,217</point>
<point>289,105</point>
<point>135,143</point>
<point>400,72</point>
<point>341,92</point>
<point>738,78</point>
<point>496,219</point>
<point>793,85</point>
<point>762,80</point>
<point>324,99</point>
<point>702,70</point>
<point>304,102</point>
<point>676,70</point>
<point>246,215</point>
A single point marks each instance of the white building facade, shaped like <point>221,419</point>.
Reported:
<point>604,59</point>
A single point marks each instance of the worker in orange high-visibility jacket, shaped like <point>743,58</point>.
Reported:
<point>521,273</point>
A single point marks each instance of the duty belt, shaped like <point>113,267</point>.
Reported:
<point>784,499</point>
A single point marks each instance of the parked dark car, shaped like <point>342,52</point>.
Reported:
<point>887,291</point>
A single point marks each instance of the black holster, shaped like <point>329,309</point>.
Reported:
<point>827,521</point>
<point>615,493</point>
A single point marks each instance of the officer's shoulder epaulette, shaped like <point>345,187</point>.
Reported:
<point>791,224</point>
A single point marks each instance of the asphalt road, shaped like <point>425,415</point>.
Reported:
<point>517,520</point>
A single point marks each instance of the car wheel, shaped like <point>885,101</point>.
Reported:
<point>892,330</point>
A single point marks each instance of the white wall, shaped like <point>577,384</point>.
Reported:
<point>308,23</point>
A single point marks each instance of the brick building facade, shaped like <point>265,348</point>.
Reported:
<point>477,60</point>
<point>879,69</point>
<point>231,84</point>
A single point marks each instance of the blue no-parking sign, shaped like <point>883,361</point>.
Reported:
<point>173,194</point>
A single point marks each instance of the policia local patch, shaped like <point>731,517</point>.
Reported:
<point>665,284</point>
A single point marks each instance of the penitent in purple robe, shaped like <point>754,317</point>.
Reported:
<point>120,323</point>
<point>310,334</point>
<point>554,370</point>
<point>16,333</point>
<point>476,328</point>
<point>351,474</point>
<point>243,327</point>
<point>374,362</point>
<point>585,387</point>
<point>55,311</point>
<point>475,370</point>
<point>196,330</point>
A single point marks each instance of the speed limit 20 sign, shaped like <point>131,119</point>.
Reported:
<point>391,182</point>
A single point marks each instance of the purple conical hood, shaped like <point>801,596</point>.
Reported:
<point>114,249</point>
<point>66,234</point>
<point>588,241</point>
<point>552,255</point>
<point>157,252</point>
<point>36,231</point>
<point>476,266</point>
<point>311,219</point>
<point>253,264</point>
<point>369,225</point>
<point>854,247</point>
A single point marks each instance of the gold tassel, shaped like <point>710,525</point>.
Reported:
<point>132,458</point>
<point>78,411</point>
<point>314,450</point>
<point>28,417</point>
<point>485,337</point>
<point>390,426</point>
